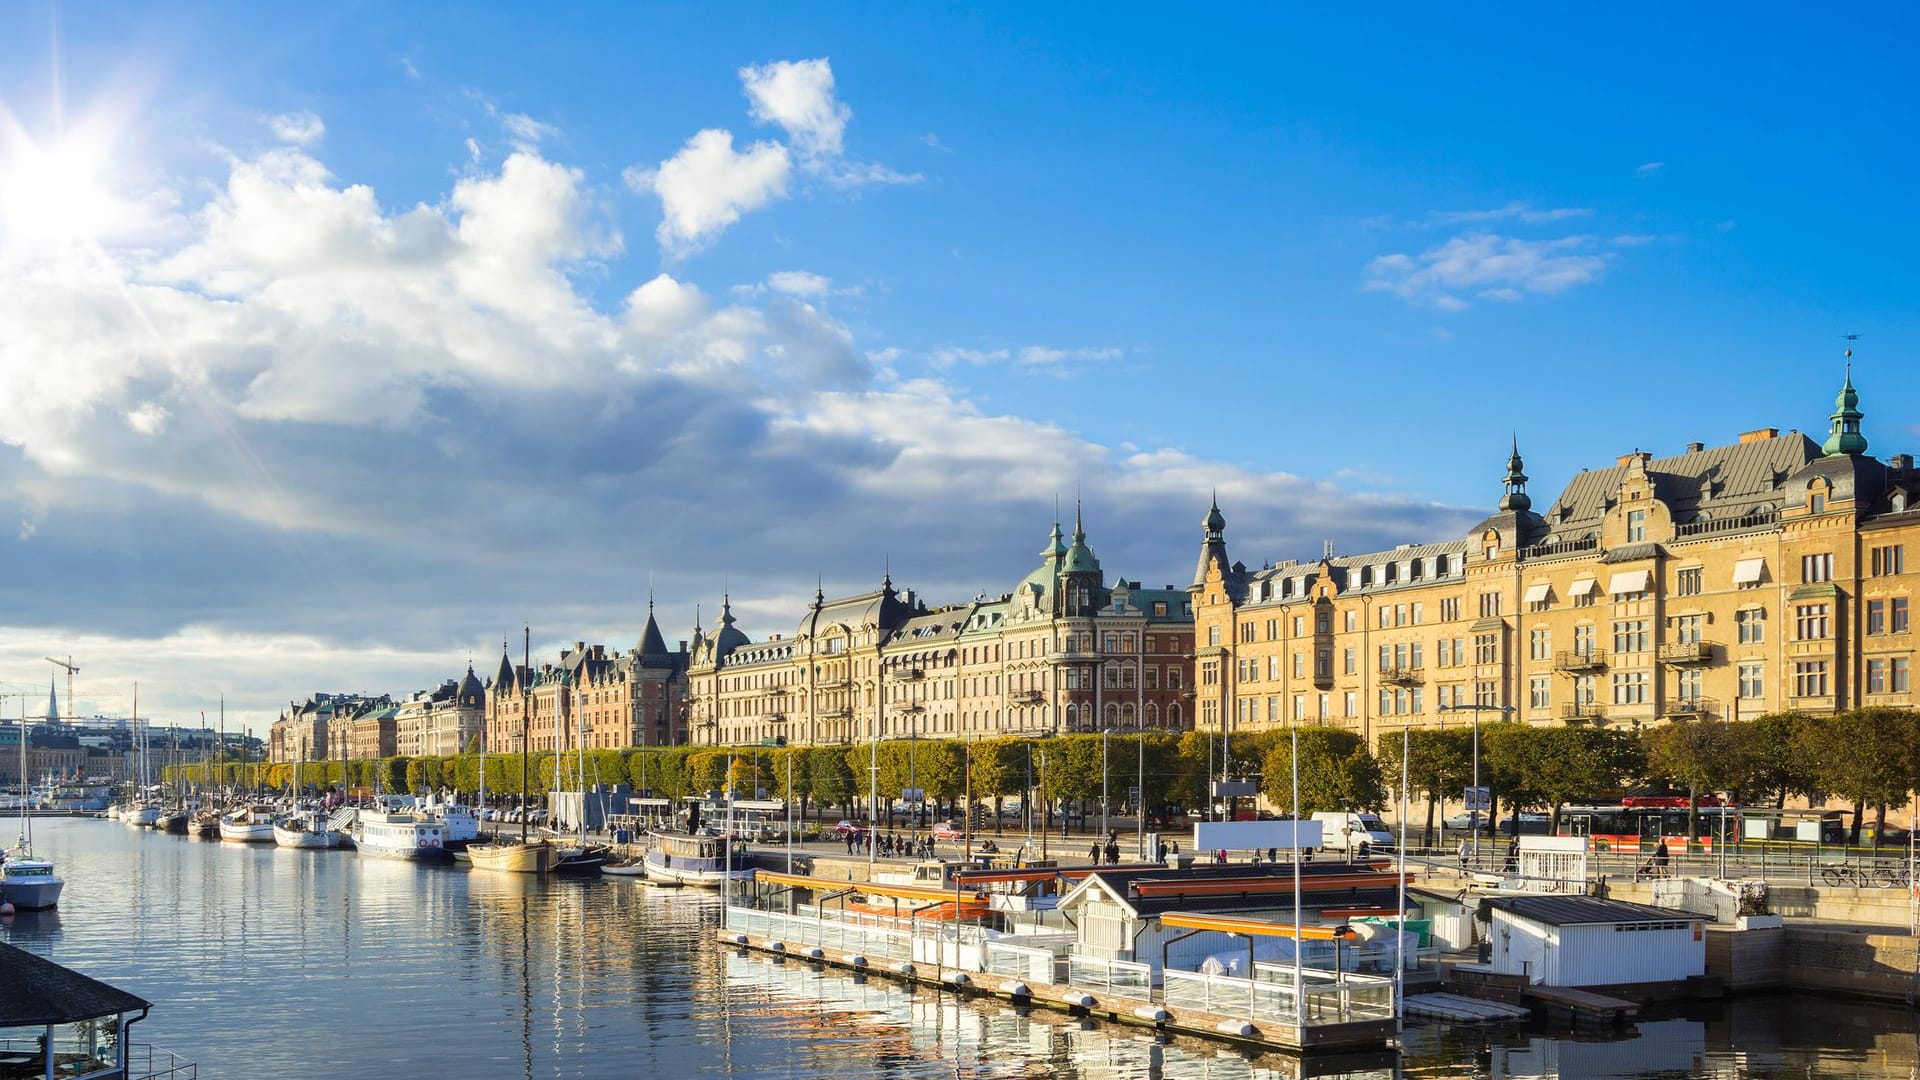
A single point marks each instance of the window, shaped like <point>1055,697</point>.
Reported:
<point>1386,616</point>
<point>1386,703</point>
<point>1817,504</point>
<point>1486,692</point>
<point>1273,629</point>
<point>1349,661</point>
<point>1816,568</point>
<point>1213,634</point>
<point>1583,636</point>
<point>1876,616</point>
<point>1449,609</point>
<point>1751,625</point>
<point>1449,697</point>
<point>1446,653</point>
<point>1891,559</point>
<point>1486,648</point>
<point>1584,688</point>
<point>1753,681</point>
<point>1209,674</point>
<point>1414,702</point>
<point>1299,665</point>
<point>1585,599</point>
<point>1417,609</point>
<point>1630,688</point>
<point>1897,675</point>
<point>1687,685</point>
<point>1539,644</point>
<point>1811,622</point>
<point>1246,634</point>
<point>1173,683</point>
<point>1688,582</point>
<point>1876,676</point>
<point>1686,629</point>
<point>1323,664</point>
<point>1399,614</point>
<point>1540,692</point>
<point>1352,702</point>
<point>1810,678</point>
<point>1636,526</point>
<point>1489,605</point>
<point>1159,607</point>
<point>1352,620</point>
<point>1897,609</point>
<point>1630,636</point>
<point>1273,708</point>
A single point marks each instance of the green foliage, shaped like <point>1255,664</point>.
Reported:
<point>829,776</point>
<point>1776,766</point>
<point>1336,772</point>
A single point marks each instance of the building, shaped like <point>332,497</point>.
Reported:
<point>370,729</point>
<point>609,699</point>
<point>1587,941</point>
<point>1064,651</point>
<point>1723,582</point>
<point>444,721</point>
<point>321,728</point>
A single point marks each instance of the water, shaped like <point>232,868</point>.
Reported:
<point>269,963</point>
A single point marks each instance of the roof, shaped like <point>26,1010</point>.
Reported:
<point>1723,481</point>
<point>38,992</point>
<point>652,644</point>
<point>1120,884</point>
<point>1579,910</point>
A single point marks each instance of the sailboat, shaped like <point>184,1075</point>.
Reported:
<point>27,882</point>
<point>522,856</point>
<point>142,812</point>
<point>303,828</point>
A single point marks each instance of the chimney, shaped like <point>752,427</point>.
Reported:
<point>1759,435</point>
<point>1694,447</point>
<point>1900,462</point>
<point>1622,460</point>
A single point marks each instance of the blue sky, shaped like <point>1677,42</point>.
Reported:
<point>1324,262</point>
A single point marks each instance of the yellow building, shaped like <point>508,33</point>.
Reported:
<point>1722,582</point>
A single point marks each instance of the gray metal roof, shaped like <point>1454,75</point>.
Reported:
<point>1722,481</point>
<point>1579,910</point>
<point>36,992</point>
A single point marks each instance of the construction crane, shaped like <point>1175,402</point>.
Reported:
<point>72,669</point>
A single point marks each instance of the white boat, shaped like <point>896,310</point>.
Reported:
<point>305,829</point>
<point>511,857</point>
<point>140,816</point>
<point>253,825</point>
<point>113,812</point>
<point>632,868</point>
<point>389,834</point>
<point>29,883</point>
<point>460,825</point>
<point>693,859</point>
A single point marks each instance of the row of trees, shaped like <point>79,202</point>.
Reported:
<point>1869,757</point>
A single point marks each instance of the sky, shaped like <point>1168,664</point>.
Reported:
<point>341,341</point>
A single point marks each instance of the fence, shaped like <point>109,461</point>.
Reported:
<point>1111,978</point>
<point>1023,962</point>
<point>146,1061</point>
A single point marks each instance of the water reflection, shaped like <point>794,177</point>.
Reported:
<point>264,962</point>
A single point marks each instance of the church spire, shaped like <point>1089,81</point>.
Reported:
<point>53,702</point>
<point>1213,547</point>
<point>1844,438</point>
<point>1515,497</point>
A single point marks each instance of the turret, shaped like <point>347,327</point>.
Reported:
<point>1515,498</point>
<point>1844,438</point>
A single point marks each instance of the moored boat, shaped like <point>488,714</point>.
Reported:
<point>393,835</point>
<point>173,821</point>
<point>29,883</point>
<point>250,825</point>
<point>305,829</point>
<point>512,857</point>
<point>694,859</point>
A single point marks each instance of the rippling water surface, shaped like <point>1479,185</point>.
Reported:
<point>270,963</point>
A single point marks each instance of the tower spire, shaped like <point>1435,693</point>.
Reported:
<point>1844,437</point>
<point>1514,497</point>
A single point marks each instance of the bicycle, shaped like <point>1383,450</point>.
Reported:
<point>1864,877</point>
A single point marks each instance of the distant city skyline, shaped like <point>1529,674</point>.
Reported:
<point>337,347</point>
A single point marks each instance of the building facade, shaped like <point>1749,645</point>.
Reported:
<point>1722,582</point>
<point>609,699</point>
<point>444,721</point>
<point>1064,651</point>
<point>320,727</point>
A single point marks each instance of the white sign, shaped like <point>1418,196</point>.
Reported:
<point>1479,798</point>
<point>1254,835</point>
<point>1235,789</point>
<point>914,795</point>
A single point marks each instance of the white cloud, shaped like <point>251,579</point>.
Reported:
<point>1047,356</point>
<point>1513,211</point>
<point>930,139</point>
<point>798,283</point>
<point>298,128</point>
<point>1649,168</point>
<point>148,418</point>
<point>525,131</point>
<point>705,187</point>
<point>1489,266</point>
<point>798,96</point>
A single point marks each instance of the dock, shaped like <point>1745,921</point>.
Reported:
<point>1583,1007</point>
<point>1457,1009</point>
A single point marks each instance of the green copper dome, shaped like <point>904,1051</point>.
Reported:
<point>1844,438</point>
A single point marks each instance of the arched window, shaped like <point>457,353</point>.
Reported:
<point>1126,713</point>
<point>1152,714</point>
<point>1113,714</point>
<point>1173,714</point>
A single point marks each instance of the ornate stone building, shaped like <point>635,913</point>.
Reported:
<point>609,699</point>
<point>1723,581</point>
<point>444,721</point>
<point>1063,651</point>
<point>322,728</point>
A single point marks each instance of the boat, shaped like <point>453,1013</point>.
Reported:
<point>248,825</point>
<point>701,859</point>
<point>460,825</point>
<point>520,856</point>
<point>173,821</point>
<point>205,824</point>
<point>140,816</point>
<point>113,812</point>
<point>305,829</point>
<point>625,868</point>
<point>393,834</point>
<point>26,882</point>
<point>574,858</point>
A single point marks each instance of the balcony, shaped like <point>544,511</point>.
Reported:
<point>1027,697</point>
<point>1590,712</point>
<point>1401,676</point>
<point>1687,652</point>
<point>1563,547</point>
<point>912,674</point>
<point>1759,519</point>
<point>776,718</point>
<point>1579,660</point>
<point>1692,708</point>
<point>837,712</point>
<point>833,682</point>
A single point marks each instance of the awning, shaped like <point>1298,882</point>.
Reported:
<point>1537,594</point>
<point>1581,586</point>
<point>1629,581</point>
<point>1749,571</point>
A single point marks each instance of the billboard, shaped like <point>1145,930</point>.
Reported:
<point>1255,835</point>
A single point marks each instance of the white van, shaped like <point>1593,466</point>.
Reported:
<point>1345,831</point>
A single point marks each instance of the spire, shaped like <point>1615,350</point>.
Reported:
<point>652,643</point>
<point>1515,497</point>
<point>505,676</point>
<point>1056,544</point>
<point>1213,547</point>
<point>1079,532</point>
<point>820,591</point>
<point>53,702</point>
<point>1844,438</point>
<point>1216,522</point>
<point>886,574</point>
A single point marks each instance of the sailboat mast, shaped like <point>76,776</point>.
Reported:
<point>526,665</point>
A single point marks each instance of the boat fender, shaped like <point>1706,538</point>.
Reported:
<point>857,961</point>
<point>816,953</point>
<point>776,946</point>
<point>959,979</point>
<point>739,939</point>
<point>1154,1013</point>
<point>6,908</point>
<point>1080,1001</point>
<point>903,968</point>
<point>1238,1028</point>
<point>1016,989</point>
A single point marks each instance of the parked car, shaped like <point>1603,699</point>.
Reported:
<point>1343,830</point>
<point>947,830</point>
<point>1463,822</point>
<point>845,829</point>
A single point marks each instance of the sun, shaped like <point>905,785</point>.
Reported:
<point>54,193</point>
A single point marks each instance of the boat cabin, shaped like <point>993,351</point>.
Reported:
<point>56,1022</point>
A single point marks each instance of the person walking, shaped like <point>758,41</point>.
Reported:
<point>1465,848</point>
<point>1093,853</point>
<point>1113,852</point>
<point>1661,858</point>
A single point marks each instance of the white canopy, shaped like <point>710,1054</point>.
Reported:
<point>1749,571</point>
<point>1629,581</point>
<point>1537,594</point>
<point>1581,586</point>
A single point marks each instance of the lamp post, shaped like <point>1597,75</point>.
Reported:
<point>1476,709</point>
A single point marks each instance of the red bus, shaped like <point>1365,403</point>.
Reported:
<point>1640,822</point>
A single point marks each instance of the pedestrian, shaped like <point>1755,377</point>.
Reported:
<point>1366,851</point>
<point>1221,857</point>
<point>1160,851</point>
<point>1464,849</point>
<point>1093,853</point>
<point>849,840</point>
<point>1513,855</point>
<point>1273,855</point>
<point>1113,852</point>
<point>1661,857</point>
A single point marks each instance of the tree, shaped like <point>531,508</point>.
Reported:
<point>829,777</point>
<point>1337,772</point>
<point>1440,762</point>
<point>999,770</point>
<point>1776,766</point>
<point>1865,756</point>
<point>1703,756</point>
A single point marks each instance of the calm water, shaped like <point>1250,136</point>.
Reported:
<point>270,963</point>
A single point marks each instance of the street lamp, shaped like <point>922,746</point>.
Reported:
<point>1139,732</point>
<point>1476,709</point>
